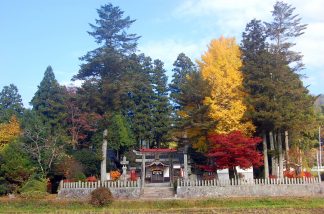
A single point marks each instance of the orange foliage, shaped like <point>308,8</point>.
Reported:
<point>9,131</point>
<point>292,174</point>
<point>115,175</point>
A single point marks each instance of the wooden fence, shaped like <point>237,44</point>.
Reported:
<point>242,182</point>
<point>97,184</point>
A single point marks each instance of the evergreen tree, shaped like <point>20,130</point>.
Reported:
<point>280,101</point>
<point>110,63</point>
<point>119,133</point>
<point>111,29</point>
<point>183,66</point>
<point>193,124</point>
<point>10,103</point>
<point>282,30</point>
<point>161,106</point>
<point>140,101</point>
<point>48,100</point>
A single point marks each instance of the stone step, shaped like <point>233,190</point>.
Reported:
<point>157,192</point>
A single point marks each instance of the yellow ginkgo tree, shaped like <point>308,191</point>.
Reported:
<point>220,67</point>
<point>212,99</point>
<point>9,131</point>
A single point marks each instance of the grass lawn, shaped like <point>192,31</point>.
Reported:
<point>215,205</point>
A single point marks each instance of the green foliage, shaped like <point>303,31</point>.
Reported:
<point>285,27</point>
<point>183,66</point>
<point>48,100</point>
<point>34,189</point>
<point>101,197</point>
<point>34,185</point>
<point>89,160</point>
<point>161,109</point>
<point>36,195</point>
<point>43,143</point>
<point>10,103</point>
<point>278,99</point>
<point>119,133</point>
<point>15,167</point>
<point>111,29</point>
<point>139,110</point>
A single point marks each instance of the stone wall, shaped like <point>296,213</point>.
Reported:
<point>316,189</point>
<point>84,193</point>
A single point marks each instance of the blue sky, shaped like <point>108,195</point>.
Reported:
<point>38,33</point>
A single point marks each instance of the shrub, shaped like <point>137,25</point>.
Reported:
<point>34,185</point>
<point>34,189</point>
<point>34,195</point>
<point>101,197</point>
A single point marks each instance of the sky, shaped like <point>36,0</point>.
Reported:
<point>38,33</point>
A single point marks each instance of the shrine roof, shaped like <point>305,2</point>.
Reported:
<point>157,150</point>
<point>156,163</point>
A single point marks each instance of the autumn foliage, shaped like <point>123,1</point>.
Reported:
<point>9,131</point>
<point>115,175</point>
<point>234,149</point>
<point>221,68</point>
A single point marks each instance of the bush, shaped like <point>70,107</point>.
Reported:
<point>34,189</point>
<point>101,197</point>
<point>34,185</point>
<point>34,195</point>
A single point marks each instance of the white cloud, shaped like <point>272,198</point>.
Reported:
<point>69,83</point>
<point>168,50</point>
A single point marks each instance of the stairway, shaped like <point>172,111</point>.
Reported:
<point>157,193</point>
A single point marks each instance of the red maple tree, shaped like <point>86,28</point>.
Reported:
<point>234,149</point>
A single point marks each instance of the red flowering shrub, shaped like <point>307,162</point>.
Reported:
<point>91,179</point>
<point>307,174</point>
<point>289,174</point>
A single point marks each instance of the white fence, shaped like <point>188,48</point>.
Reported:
<point>244,182</point>
<point>97,184</point>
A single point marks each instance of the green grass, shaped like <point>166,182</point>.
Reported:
<point>218,205</point>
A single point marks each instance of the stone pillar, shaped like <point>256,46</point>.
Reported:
<point>280,155</point>
<point>171,169</point>
<point>143,169</point>
<point>265,156</point>
<point>185,162</point>
<point>103,170</point>
<point>287,150</point>
<point>274,166</point>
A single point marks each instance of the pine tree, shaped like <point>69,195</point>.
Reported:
<point>111,29</point>
<point>161,106</point>
<point>285,27</point>
<point>140,101</point>
<point>193,123</point>
<point>10,103</point>
<point>110,64</point>
<point>257,80</point>
<point>183,66</point>
<point>48,100</point>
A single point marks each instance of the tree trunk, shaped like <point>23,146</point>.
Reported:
<point>265,156</point>
<point>280,155</point>
<point>287,150</point>
<point>103,170</point>
<point>274,166</point>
